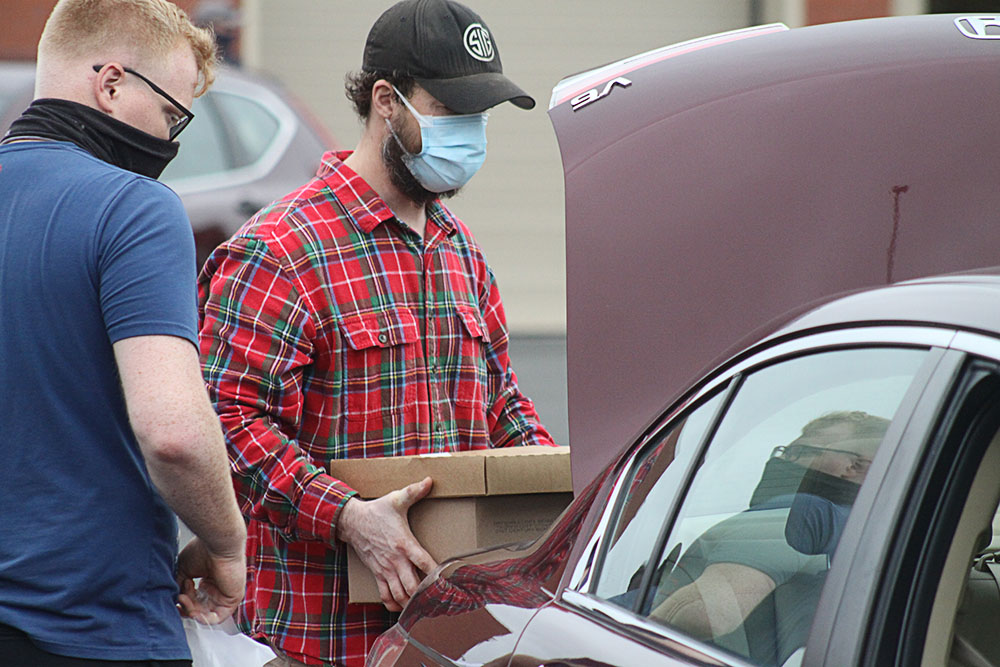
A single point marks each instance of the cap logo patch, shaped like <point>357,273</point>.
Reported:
<point>478,43</point>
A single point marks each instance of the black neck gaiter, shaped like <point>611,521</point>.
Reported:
<point>97,133</point>
<point>784,478</point>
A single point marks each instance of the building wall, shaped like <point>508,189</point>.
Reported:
<point>825,11</point>
<point>21,23</point>
<point>515,204</point>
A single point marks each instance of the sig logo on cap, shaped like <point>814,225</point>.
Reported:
<point>478,42</point>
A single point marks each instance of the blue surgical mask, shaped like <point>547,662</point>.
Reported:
<point>453,148</point>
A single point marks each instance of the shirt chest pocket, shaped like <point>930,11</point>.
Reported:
<point>380,362</point>
<point>467,357</point>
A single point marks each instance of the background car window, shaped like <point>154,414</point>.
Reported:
<point>252,127</point>
<point>6,99</point>
<point>653,480</point>
<point>203,146</point>
<point>745,561</point>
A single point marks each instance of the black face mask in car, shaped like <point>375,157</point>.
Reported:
<point>784,478</point>
<point>835,489</point>
<point>780,478</point>
<point>99,134</point>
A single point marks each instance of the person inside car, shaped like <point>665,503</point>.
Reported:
<point>789,531</point>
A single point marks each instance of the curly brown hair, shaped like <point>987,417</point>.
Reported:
<point>358,88</point>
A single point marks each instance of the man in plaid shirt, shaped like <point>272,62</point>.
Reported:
<point>356,318</point>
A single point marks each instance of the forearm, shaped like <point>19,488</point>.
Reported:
<point>179,436</point>
<point>275,482</point>
<point>197,485</point>
<point>718,601</point>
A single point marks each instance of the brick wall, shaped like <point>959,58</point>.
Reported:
<point>21,23</point>
<point>827,11</point>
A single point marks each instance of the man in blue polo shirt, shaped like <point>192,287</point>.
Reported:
<point>105,426</point>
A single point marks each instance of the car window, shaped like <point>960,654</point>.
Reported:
<point>7,98</point>
<point>745,560</point>
<point>251,126</point>
<point>655,477</point>
<point>203,146</point>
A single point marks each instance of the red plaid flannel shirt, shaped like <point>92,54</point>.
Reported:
<point>330,330</point>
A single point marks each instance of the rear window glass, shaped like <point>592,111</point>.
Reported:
<point>203,148</point>
<point>251,126</point>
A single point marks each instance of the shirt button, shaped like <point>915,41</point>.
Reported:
<point>439,428</point>
<point>382,338</point>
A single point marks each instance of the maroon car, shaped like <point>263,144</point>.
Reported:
<point>827,493</point>
<point>827,496</point>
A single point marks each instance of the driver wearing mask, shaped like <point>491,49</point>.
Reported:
<point>792,526</point>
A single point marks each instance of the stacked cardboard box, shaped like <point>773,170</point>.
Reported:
<point>480,499</point>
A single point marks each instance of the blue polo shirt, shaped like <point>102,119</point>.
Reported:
<point>89,254</point>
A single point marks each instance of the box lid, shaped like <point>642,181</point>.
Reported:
<point>509,470</point>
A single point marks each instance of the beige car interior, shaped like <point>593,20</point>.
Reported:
<point>964,629</point>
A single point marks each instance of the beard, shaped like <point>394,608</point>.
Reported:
<point>401,176</point>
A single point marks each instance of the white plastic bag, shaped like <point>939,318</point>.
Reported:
<point>223,645</point>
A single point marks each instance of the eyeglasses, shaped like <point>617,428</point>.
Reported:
<point>181,123</point>
<point>795,452</point>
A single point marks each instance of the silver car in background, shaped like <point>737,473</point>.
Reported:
<point>251,143</point>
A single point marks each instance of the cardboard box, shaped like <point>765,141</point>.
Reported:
<point>480,499</point>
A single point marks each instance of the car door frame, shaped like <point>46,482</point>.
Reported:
<point>928,388</point>
<point>847,629</point>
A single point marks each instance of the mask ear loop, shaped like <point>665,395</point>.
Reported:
<point>392,130</point>
<point>421,120</point>
<point>395,136</point>
<point>430,121</point>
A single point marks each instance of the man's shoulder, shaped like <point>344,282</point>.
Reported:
<point>66,163</point>
<point>85,181</point>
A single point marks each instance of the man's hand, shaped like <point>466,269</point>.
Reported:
<point>223,581</point>
<point>380,534</point>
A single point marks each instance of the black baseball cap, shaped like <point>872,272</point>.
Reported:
<point>447,49</point>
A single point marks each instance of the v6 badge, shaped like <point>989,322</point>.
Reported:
<point>592,95</point>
